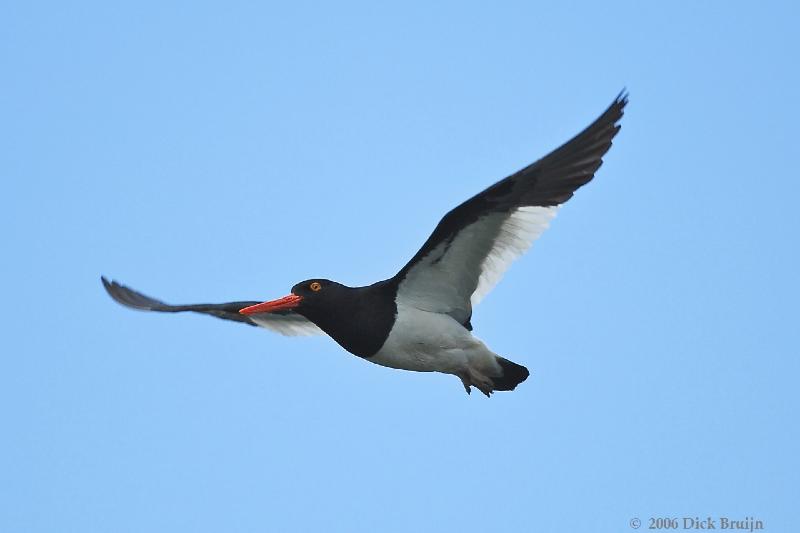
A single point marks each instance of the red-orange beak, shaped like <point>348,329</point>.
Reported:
<point>287,302</point>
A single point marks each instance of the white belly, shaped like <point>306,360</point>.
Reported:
<point>432,342</point>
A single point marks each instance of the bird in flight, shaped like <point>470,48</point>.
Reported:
<point>420,319</point>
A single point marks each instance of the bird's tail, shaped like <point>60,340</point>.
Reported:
<point>513,375</point>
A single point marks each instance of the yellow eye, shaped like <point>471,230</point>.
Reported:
<point>315,286</point>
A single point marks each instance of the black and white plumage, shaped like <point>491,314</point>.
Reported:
<point>420,319</point>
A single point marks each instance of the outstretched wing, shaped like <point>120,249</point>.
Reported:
<point>474,244</point>
<point>285,322</point>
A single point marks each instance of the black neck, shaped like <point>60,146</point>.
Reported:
<point>358,318</point>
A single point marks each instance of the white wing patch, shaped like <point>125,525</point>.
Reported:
<point>515,237</point>
<point>289,325</point>
<point>460,271</point>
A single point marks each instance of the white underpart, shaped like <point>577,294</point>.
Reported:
<point>433,342</point>
<point>455,276</point>
<point>289,325</point>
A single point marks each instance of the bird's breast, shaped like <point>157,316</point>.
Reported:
<point>424,341</point>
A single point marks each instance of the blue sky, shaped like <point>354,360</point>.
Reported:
<point>213,152</point>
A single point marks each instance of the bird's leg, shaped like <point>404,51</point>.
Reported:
<point>466,382</point>
<point>472,378</point>
<point>484,384</point>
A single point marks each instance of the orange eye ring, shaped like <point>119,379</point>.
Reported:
<point>315,286</point>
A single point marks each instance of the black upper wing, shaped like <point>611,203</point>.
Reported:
<point>285,322</point>
<point>474,243</point>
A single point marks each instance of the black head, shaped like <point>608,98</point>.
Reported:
<point>311,289</point>
<point>309,298</point>
<point>319,297</point>
<point>359,318</point>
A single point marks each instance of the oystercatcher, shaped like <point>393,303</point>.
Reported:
<point>420,319</point>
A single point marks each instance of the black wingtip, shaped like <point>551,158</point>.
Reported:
<point>130,298</point>
<point>107,285</point>
<point>619,104</point>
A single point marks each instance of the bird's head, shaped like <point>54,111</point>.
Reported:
<point>306,298</point>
